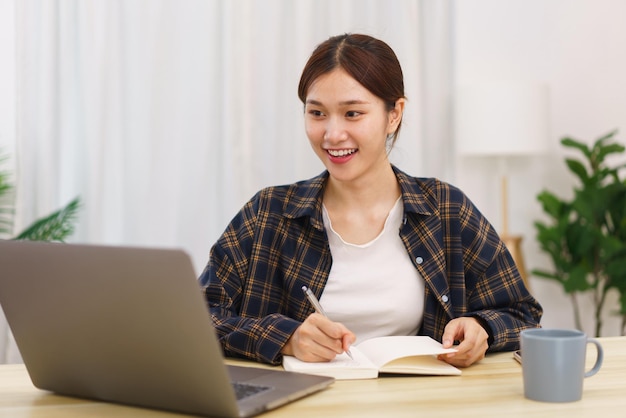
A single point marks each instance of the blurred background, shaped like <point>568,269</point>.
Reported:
<point>166,116</point>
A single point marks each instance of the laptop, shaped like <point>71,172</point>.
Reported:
<point>129,325</point>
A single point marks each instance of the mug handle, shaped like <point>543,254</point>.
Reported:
<point>599,358</point>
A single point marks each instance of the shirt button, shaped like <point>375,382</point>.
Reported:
<point>444,298</point>
<point>419,260</point>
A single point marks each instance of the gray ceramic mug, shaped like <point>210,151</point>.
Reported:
<point>553,363</point>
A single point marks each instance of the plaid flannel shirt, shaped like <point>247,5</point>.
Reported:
<point>277,243</point>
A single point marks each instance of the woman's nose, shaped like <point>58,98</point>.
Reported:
<point>335,131</point>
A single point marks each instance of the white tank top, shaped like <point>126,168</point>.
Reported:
<point>373,288</point>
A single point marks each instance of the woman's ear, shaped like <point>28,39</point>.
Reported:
<point>395,115</point>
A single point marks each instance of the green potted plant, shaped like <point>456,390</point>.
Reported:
<point>585,236</point>
<point>55,227</point>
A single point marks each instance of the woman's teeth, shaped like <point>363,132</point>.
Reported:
<point>341,152</point>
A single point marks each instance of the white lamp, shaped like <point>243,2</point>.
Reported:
<point>502,120</point>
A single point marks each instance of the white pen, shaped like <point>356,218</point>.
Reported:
<point>318,308</point>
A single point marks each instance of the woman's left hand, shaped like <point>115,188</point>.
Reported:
<point>473,338</point>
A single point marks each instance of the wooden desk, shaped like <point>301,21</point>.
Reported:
<point>491,388</point>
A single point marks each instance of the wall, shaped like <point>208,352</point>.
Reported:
<point>576,47</point>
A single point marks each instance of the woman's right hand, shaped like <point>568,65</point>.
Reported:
<point>318,339</point>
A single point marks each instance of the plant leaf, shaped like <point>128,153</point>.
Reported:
<point>577,280</point>
<point>607,136</point>
<point>54,227</point>
<point>609,149</point>
<point>572,143</point>
<point>551,204</point>
<point>578,169</point>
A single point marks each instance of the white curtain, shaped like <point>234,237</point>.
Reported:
<point>165,116</point>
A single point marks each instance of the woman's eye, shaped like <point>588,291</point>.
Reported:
<point>352,114</point>
<point>315,113</point>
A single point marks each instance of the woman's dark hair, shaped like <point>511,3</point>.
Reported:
<point>368,60</point>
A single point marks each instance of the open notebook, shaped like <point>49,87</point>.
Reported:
<point>129,325</point>
<point>395,354</point>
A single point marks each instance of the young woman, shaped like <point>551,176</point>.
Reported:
<point>386,253</point>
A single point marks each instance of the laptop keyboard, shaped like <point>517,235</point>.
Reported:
<point>243,390</point>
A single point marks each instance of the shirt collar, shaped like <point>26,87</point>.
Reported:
<point>415,197</point>
<point>306,200</point>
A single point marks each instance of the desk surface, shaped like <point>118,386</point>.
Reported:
<point>492,387</point>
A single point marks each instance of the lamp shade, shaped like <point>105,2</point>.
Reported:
<point>501,119</point>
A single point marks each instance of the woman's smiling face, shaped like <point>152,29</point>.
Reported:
<point>347,125</point>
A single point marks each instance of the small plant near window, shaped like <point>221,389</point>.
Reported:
<point>57,226</point>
